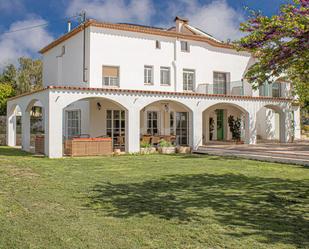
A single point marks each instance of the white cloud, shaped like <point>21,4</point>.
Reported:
<point>114,10</point>
<point>23,43</point>
<point>216,18</point>
<point>13,5</point>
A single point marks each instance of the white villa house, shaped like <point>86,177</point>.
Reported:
<point>126,80</point>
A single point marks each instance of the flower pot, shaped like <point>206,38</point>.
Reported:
<point>117,152</point>
<point>167,150</point>
<point>149,150</point>
<point>184,149</point>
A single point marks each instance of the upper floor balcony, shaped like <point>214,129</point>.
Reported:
<point>242,88</point>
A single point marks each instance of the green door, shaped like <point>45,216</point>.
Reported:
<point>220,124</point>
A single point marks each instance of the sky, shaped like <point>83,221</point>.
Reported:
<point>220,18</point>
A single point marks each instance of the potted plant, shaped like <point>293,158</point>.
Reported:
<point>146,148</point>
<point>211,128</point>
<point>235,129</point>
<point>183,149</point>
<point>166,147</point>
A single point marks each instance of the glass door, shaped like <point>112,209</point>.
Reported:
<point>182,121</point>
<point>115,127</point>
<point>220,124</point>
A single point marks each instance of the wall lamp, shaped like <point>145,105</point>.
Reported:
<point>99,106</point>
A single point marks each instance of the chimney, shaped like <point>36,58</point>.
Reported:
<point>69,26</point>
<point>180,22</point>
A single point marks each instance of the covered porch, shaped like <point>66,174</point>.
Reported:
<point>126,118</point>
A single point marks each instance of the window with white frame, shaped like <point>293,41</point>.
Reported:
<point>73,123</point>
<point>165,73</point>
<point>188,79</point>
<point>219,83</point>
<point>152,123</point>
<point>184,46</point>
<point>148,74</point>
<point>276,89</point>
<point>110,76</point>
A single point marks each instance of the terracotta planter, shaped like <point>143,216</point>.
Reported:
<point>167,150</point>
<point>184,149</point>
<point>117,152</point>
<point>149,150</point>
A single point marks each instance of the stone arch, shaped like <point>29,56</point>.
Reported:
<point>169,112</point>
<point>92,112</point>
<point>271,123</point>
<point>13,111</point>
<point>215,122</point>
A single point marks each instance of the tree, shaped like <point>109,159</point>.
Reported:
<point>6,91</point>
<point>9,76</point>
<point>280,45</point>
<point>29,76</point>
<point>26,77</point>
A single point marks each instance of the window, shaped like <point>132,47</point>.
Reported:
<point>220,80</point>
<point>73,121</point>
<point>148,74</point>
<point>184,46</point>
<point>115,125</point>
<point>165,75</point>
<point>152,123</point>
<point>276,90</point>
<point>270,89</point>
<point>110,76</point>
<point>158,44</point>
<point>188,80</point>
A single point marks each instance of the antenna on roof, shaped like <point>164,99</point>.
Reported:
<point>69,26</point>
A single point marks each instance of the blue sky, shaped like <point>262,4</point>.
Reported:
<point>220,18</point>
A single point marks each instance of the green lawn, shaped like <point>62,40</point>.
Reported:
<point>151,201</point>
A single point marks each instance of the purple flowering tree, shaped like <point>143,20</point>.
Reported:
<point>280,44</point>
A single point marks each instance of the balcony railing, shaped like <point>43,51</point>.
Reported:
<point>236,88</point>
<point>275,90</point>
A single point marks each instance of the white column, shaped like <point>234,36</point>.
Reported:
<point>297,129</point>
<point>197,128</point>
<point>251,128</point>
<point>25,130</point>
<point>285,126</point>
<point>132,130</point>
<point>11,129</point>
<point>53,116</point>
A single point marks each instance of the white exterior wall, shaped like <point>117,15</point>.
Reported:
<point>131,51</point>
<point>205,60</point>
<point>268,127</point>
<point>66,70</point>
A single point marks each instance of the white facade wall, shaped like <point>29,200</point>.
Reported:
<point>66,69</point>
<point>269,129</point>
<point>131,51</point>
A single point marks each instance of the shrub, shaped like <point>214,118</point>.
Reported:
<point>235,127</point>
<point>164,143</point>
<point>306,128</point>
<point>145,145</point>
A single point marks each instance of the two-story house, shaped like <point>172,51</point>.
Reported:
<point>125,81</point>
